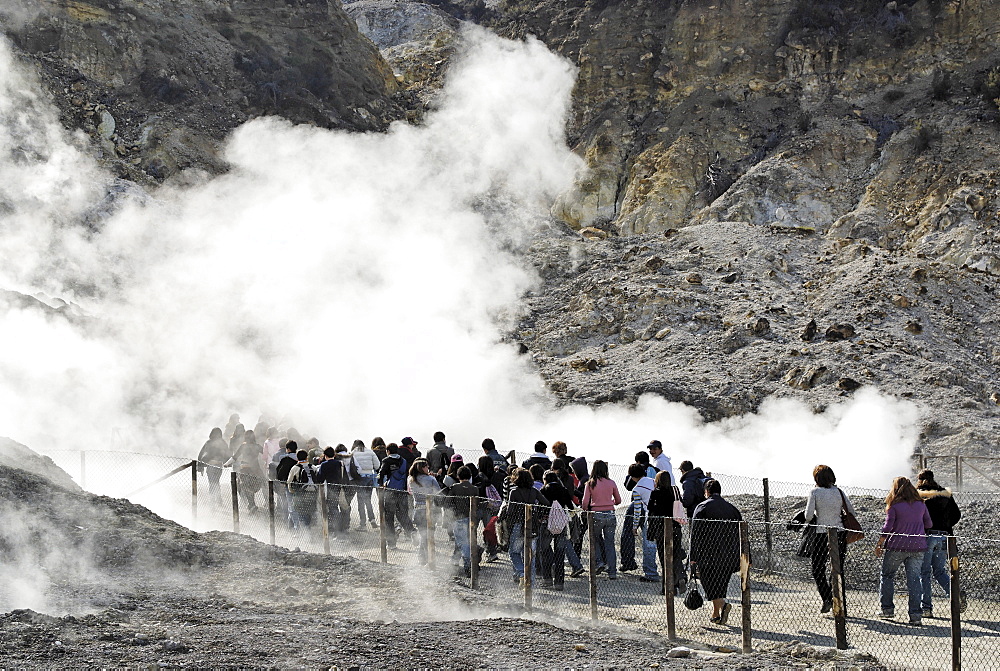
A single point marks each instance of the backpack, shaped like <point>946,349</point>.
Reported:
<point>301,476</point>
<point>397,478</point>
<point>353,474</point>
<point>558,519</point>
<point>493,499</point>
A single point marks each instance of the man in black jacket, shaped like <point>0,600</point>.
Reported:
<point>459,495</point>
<point>945,515</point>
<point>692,486</point>
<point>539,457</point>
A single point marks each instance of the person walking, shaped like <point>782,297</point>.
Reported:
<point>601,496</point>
<point>715,547</point>
<point>459,495</point>
<point>557,548</point>
<point>368,463</point>
<point>213,455</point>
<point>423,487</point>
<point>392,476</point>
<point>661,511</point>
<point>823,511</point>
<point>523,493</point>
<point>903,543</point>
<point>945,514</point>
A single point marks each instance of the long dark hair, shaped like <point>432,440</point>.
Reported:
<point>598,472</point>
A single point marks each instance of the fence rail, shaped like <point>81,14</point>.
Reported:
<point>771,591</point>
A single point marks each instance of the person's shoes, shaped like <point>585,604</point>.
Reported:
<point>681,587</point>
<point>915,621</point>
<point>643,578</point>
<point>374,525</point>
<point>612,577</point>
<point>887,615</point>
<point>600,569</point>
<point>716,619</point>
<point>826,607</point>
<point>558,587</point>
<point>963,602</point>
<point>928,612</point>
<point>361,529</point>
<point>491,558</point>
<point>545,584</point>
<point>725,613</point>
<point>577,572</point>
<point>630,567</point>
<point>521,583</point>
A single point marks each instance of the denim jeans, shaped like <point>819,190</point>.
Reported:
<point>461,528</point>
<point>365,499</point>
<point>911,562</point>
<point>420,522</point>
<point>604,539</point>
<point>517,550</point>
<point>933,568</point>
<point>648,554</point>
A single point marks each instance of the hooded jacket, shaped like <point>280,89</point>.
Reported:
<point>942,508</point>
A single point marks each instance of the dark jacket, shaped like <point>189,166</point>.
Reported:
<point>439,457</point>
<point>284,465</point>
<point>537,459</point>
<point>942,508</point>
<point>498,461</point>
<point>554,491</point>
<point>579,466</point>
<point>215,452</point>
<point>692,489</point>
<point>392,462</point>
<point>458,498</point>
<point>716,543</point>
<point>332,472</point>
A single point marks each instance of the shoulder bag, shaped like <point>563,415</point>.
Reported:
<point>848,521</point>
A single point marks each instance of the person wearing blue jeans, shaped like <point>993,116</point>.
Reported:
<point>932,567</point>
<point>604,534</point>
<point>601,495</point>
<point>903,542</point>
<point>945,515</point>
<point>523,494</point>
<point>516,551</point>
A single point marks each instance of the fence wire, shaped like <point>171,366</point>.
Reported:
<point>782,591</point>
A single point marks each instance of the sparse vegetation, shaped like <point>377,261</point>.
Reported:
<point>892,95</point>
<point>924,137</point>
<point>941,85</point>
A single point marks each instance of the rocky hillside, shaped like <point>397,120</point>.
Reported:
<point>158,84</point>
<point>781,197</point>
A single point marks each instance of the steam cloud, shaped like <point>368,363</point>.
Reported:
<point>357,282</point>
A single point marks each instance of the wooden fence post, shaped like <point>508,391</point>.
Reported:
<point>194,493</point>
<point>529,557</point>
<point>236,502</point>
<point>270,509</point>
<point>669,579</point>
<point>747,629</point>
<point>955,590</point>
<point>837,585</point>
<point>384,552</point>
<point>958,471</point>
<point>593,566</point>
<point>323,497</point>
<point>473,542</point>
<point>429,526</point>
<point>768,541</point>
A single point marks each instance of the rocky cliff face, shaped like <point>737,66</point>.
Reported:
<point>159,83</point>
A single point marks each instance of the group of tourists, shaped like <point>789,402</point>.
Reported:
<point>919,519</point>
<point>420,492</point>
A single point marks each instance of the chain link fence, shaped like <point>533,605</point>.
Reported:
<point>608,567</point>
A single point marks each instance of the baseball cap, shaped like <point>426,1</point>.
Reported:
<point>408,441</point>
<point>457,457</point>
<point>655,443</point>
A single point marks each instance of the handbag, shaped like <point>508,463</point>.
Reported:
<point>679,514</point>
<point>849,522</point>
<point>693,600</point>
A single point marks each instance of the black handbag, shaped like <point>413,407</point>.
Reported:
<point>693,600</point>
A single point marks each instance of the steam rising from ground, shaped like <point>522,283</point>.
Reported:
<point>357,282</point>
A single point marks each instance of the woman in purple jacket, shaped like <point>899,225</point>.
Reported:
<point>903,542</point>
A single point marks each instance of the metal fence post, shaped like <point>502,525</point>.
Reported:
<point>381,525</point>
<point>593,566</point>
<point>270,509</point>
<point>429,525</point>
<point>955,590</point>
<point>768,542</point>
<point>958,471</point>
<point>236,502</point>
<point>473,542</point>
<point>529,557</point>
<point>837,585</point>
<point>747,629</point>
<point>194,493</point>
<point>669,579</point>
<point>325,517</point>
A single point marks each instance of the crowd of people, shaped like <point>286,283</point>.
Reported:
<point>420,492</point>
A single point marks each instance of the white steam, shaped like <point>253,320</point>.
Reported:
<point>355,282</point>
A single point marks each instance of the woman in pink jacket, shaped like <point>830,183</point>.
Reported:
<point>601,496</point>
